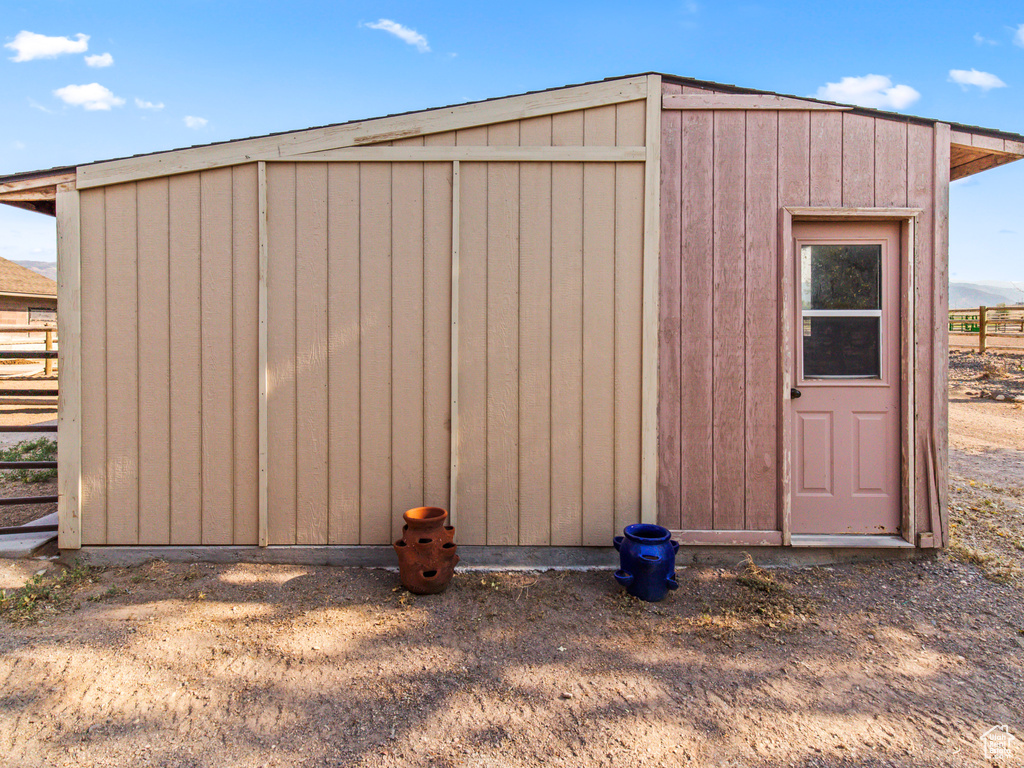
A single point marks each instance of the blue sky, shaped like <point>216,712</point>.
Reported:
<point>182,73</point>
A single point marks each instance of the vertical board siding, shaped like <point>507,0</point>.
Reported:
<point>216,325</point>
<point>437,326</point>
<point>186,373</point>
<point>826,159</point>
<point>720,398</point>
<point>535,340</point>
<point>407,341</point>
<point>890,164</point>
<point>343,362</point>
<point>598,395</point>
<point>567,205</point>
<point>375,402</point>
<point>311,458</point>
<point>761,320</point>
<point>281,348</point>
<point>858,160</point>
<point>728,323</point>
<point>502,342</point>
<point>630,130</point>
<point>695,360</point>
<point>154,365</point>
<point>359,346</point>
<point>94,367</point>
<point>794,162</point>
<point>122,366</point>
<point>244,343</point>
<point>472,387</point>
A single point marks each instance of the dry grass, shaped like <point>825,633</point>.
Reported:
<point>987,529</point>
<point>47,594</point>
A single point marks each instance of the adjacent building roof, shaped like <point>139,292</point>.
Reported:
<point>974,149</point>
<point>18,280</point>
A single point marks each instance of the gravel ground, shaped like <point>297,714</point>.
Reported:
<point>880,664</point>
<point>986,375</point>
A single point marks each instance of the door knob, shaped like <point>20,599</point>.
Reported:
<point>794,393</point>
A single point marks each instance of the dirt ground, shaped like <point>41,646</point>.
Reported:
<point>881,664</point>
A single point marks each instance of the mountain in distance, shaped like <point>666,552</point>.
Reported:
<point>44,268</point>
<point>989,293</point>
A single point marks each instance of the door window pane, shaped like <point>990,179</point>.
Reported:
<point>841,347</point>
<point>841,276</point>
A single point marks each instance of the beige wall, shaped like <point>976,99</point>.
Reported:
<point>169,373</point>
<point>359,346</point>
<point>725,176</point>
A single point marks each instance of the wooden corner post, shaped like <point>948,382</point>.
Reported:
<point>649,364</point>
<point>69,368</point>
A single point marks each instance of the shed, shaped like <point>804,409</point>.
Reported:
<point>643,299</point>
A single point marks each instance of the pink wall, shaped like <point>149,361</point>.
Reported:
<point>725,176</point>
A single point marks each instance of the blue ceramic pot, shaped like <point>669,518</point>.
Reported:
<point>647,561</point>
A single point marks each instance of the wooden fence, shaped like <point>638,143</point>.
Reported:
<point>989,323</point>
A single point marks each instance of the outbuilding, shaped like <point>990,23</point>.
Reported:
<point>644,299</point>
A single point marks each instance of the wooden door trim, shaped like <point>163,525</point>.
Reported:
<point>907,218</point>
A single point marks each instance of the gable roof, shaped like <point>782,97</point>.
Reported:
<point>16,279</point>
<point>975,148</point>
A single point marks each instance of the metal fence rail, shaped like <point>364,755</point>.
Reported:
<point>49,355</point>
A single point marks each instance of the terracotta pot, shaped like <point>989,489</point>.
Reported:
<point>426,551</point>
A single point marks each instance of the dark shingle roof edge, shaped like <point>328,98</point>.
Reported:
<point>724,87</point>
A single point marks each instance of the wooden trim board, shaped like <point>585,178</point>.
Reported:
<point>651,293</point>
<point>262,356</point>
<point>940,334</point>
<point>69,402</point>
<point>907,218</point>
<point>483,154</point>
<point>861,214</point>
<point>729,538</point>
<point>365,132</point>
<point>786,357</point>
<point>453,488</point>
<point>49,183</point>
<point>744,101</point>
<point>908,279</point>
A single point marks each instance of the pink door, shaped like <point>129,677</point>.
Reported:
<point>846,383</point>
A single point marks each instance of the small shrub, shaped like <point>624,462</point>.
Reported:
<point>43,449</point>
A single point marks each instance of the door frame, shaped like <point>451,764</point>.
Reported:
<point>907,218</point>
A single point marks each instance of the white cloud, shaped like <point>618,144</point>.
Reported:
<point>1018,39</point>
<point>984,80</point>
<point>980,39</point>
<point>100,60</point>
<point>29,46</point>
<point>691,7</point>
<point>874,91</point>
<point>36,105</point>
<point>148,104</point>
<point>410,36</point>
<point>92,96</point>
<point>195,123</point>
